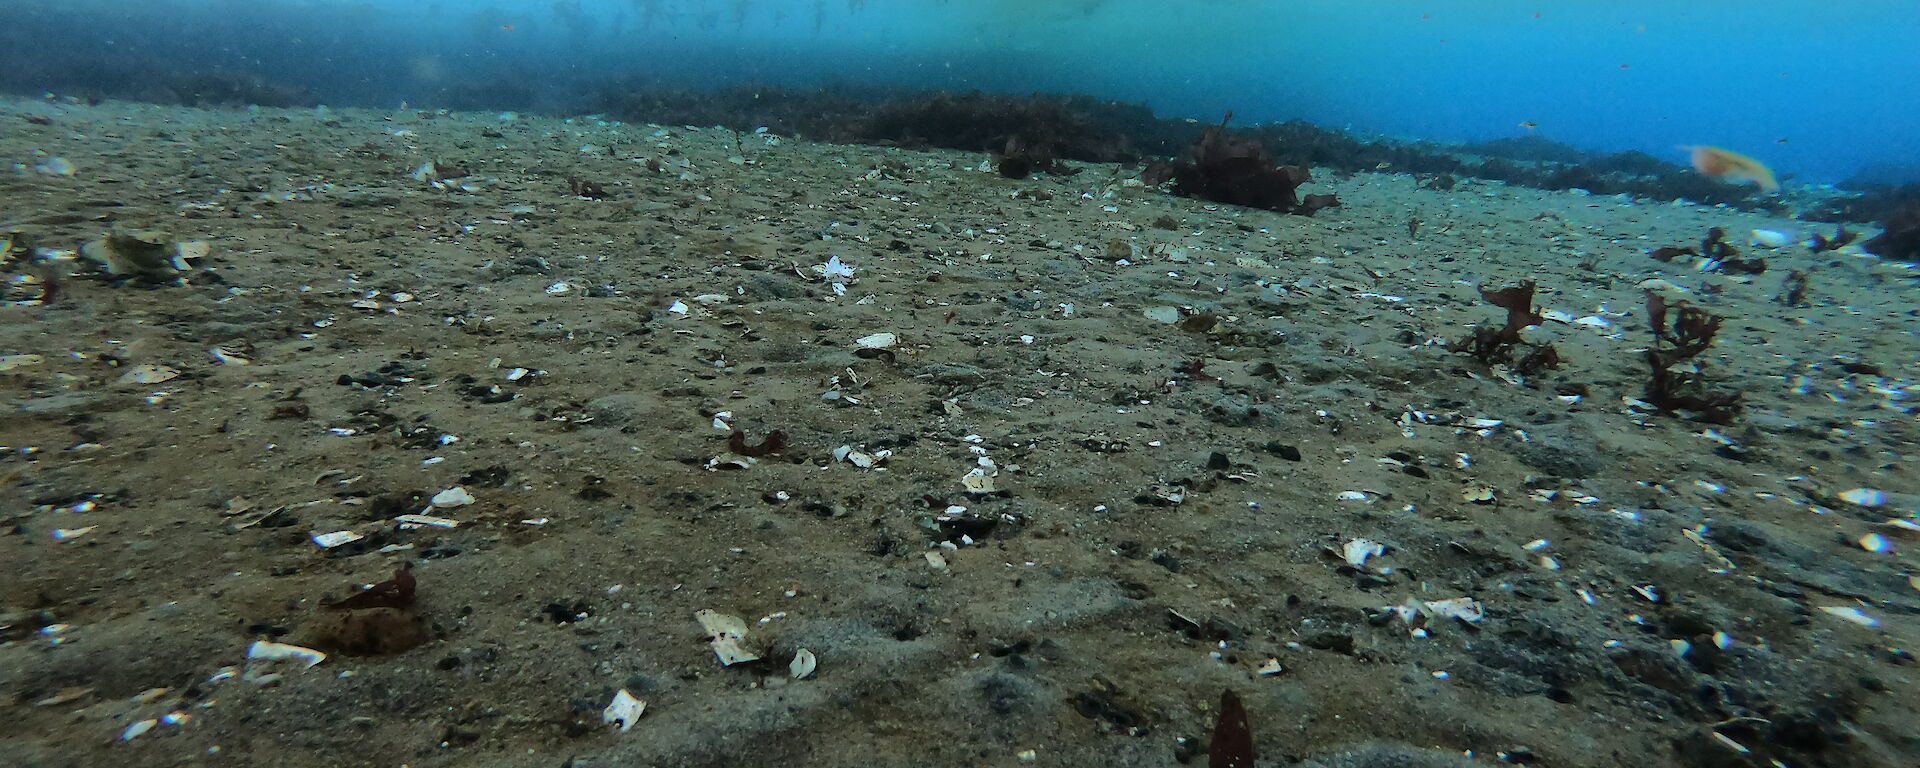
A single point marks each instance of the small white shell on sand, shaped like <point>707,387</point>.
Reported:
<point>726,633</point>
<point>804,663</point>
<point>624,711</point>
<point>1358,550</point>
<point>1852,614</point>
<point>453,497</point>
<point>1866,497</point>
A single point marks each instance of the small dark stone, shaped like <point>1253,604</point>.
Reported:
<point>1186,749</point>
<point>1338,642</point>
<point>1282,450</point>
<point>1218,460</point>
<point>565,614</point>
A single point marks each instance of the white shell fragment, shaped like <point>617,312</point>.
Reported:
<point>336,538</point>
<point>1271,668</point>
<point>1865,497</point>
<point>268,661</point>
<point>1875,543</point>
<point>453,497</point>
<point>134,731</point>
<point>1465,609</point>
<point>426,520</point>
<point>804,663</point>
<point>1768,238</point>
<point>1163,314</point>
<point>861,459</point>
<point>978,481</point>
<point>725,632</point>
<point>1852,614</point>
<point>264,650</point>
<point>834,269</point>
<point>624,711</point>
<point>10,362</point>
<point>1419,614</point>
<point>1358,550</point>
<point>69,534</point>
<point>149,374</point>
<point>877,341</point>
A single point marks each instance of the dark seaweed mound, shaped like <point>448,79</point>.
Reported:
<point>1237,170</point>
<point>1901,240</point>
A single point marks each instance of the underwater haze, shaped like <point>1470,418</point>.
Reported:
<point>1818,90</point>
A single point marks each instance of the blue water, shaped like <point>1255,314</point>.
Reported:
<point>1817,90</point>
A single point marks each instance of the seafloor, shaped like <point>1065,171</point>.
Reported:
<point>1654,590</point>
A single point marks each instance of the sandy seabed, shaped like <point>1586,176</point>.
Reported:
<point>1173,507</point>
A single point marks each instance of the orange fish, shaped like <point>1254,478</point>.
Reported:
<point>1732,166</point>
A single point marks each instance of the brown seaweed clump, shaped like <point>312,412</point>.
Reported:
<point>1020,158</point>
<point>1225,168</point>
<point>380,620</point>
<point>1493,345</point>
<point>1676,382</point>
<point>583,188</point>
<point>1841,238</point>
<point>1901,240</point>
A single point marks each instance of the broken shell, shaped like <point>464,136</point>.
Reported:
<point>725,632</point>
<point>1865,497</point>
<point>140,254</point>
<point>730,461</point>
<point>453,497</point>
<point>623,711</point>
<point>1477,494</point>
<point>426,520</point>
<point>149,374</point>
<point>10,362</point>
<point>1852,614</point>
<point>265,655</point>
<point>1271,668</point>
<point>1465,609</point>
<point>1168,315</point>
<point>336,538</point>
<point>66,695</point>
<point>224,356</point>
<point>57,166</point>
<point>977,481</point>
<point>138,728</point>
<point>1358,550</point>
<point>1875,543</point>
<point>877,341</point>
<point>803,664</point>
<point>861,459</point>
